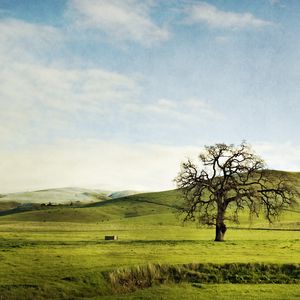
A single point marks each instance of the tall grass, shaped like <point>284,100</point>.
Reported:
<point>128,280</point>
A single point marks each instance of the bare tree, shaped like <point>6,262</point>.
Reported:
<point>232,178</point>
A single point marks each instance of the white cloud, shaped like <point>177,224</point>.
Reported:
<point>277,3</point>
<point>20,40</point>
<point>212,16</point>
<point>38,98</point>
<point>187,110</point>
<point>111,165</point>
<point>122,19</point>
<point>280,156</point>
<point>222,39</point>
<point>35,98</point>
<point>91,163</point>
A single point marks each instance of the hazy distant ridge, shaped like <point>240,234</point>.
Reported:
<point>64,195</point>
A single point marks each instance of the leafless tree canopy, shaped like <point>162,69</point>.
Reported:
<point>232,177</point>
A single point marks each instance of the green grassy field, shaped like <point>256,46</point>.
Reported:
<point>60,252</point>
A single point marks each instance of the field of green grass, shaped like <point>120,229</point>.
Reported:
<point>59,252</point>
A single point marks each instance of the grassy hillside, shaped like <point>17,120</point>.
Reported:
<point>121,194</point>
<point>121,209</point>
<point>148,208</point>
<point>7,205</point>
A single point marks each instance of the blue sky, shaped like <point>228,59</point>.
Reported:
<point>115,94</point>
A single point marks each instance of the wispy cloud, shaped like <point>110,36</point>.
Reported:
<point>39,99</point>
<point>284,156</point>
<point>36,99</point>
<point>192,109</point>
<point>186,110</point>
<point>92,163</point>
<point>222,39</point>
<point>38,96</point>
<point>125,20</point>
<point>110,165</point>
<point>212,16</point>
<point>277,3</point>
<point>23,41</point>
<point>274,2</point>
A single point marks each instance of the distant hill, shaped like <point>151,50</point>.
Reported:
<point>161,205</point>
<point>62,196</point>
<point>120,194</point>
<point>144,208</point>
<point>57,196</point>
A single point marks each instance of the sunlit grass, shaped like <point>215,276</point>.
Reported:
<point>60,252</point>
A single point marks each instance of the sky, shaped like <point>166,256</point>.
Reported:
<point>115,94</point>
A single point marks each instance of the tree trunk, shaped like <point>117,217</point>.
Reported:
<point>220,226</point>
<point>220,232</point>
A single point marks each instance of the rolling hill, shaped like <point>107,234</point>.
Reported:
<point>62,196</point>
<point>97,206</point>
<point>57,196</point>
